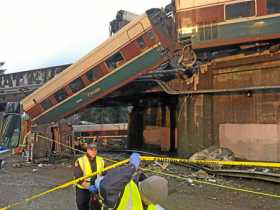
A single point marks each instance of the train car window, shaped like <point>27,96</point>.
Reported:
<point>60,95</point>
<point>151,35</point>
<point>141,42</point>
<point>76,85</point>
<point>273,6</point>
<point>114,61</point>
<point>240,10</point>
<point>46,104</point>
<point>94,74</point>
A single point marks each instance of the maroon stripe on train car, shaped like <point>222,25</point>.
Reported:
<point>68,90</point>
<point>85,80</point>
<point>130,51</point>
<point>104,69</point>
<point>202,16</point>
<point>35,110</point>
<point>261,7</point>
<point>133,49</point>
<point>53,100</point>
<point>150,38</point>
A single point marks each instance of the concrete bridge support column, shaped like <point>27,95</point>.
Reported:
<point>136,128</point>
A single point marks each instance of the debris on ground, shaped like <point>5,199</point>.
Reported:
<point>200,174</point>
<point>212,180</point>
<point>162,165</point>
<point>190,181</point>
<point>40,165</point>
<point>16,165</point>
<point>34,170</point>
<point>214,153</point>
<point>266,170</point>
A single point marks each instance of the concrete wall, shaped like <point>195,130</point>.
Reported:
<point>157,136</point>
<point>252,141</point>
<point>219,118</point>
<point>194,115</point>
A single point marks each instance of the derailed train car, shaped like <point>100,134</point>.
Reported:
<point>135,50</point>
<point>220,23</point>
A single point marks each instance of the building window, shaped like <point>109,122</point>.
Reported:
<point>60,95</point>
<point>273,6</point>
<point>115,61</point>
<point>141,42</point>
<point>46,104</point>
<point>76,85</point>
<point>240,10</point>
<point>94,74</point>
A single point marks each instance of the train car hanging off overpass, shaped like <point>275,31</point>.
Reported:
<point>133,51</point>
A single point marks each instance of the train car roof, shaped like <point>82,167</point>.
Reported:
<point>97,55</point>
<point>192,4</point>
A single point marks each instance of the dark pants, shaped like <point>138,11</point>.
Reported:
<point>86,201</point>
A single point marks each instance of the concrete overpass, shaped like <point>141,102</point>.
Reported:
<point>15,86</point>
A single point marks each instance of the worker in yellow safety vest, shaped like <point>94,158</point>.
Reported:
<point>86,193</point>
<point>119,188</point>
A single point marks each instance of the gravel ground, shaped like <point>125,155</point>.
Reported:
<point>19,183</point>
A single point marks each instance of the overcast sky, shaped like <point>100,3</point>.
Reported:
<point>42,33</point>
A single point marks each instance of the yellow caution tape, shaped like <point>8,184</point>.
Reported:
<point>145,158</point>
<point>65,185</point>
<point>213,162</point>
<point>187,161</point>
<point>160,159</point>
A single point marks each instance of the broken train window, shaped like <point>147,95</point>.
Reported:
<point>115,61</point>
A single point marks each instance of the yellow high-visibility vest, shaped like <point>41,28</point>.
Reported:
<point>131,199</point>
<point>152,207</point>
<point>85,166</point>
